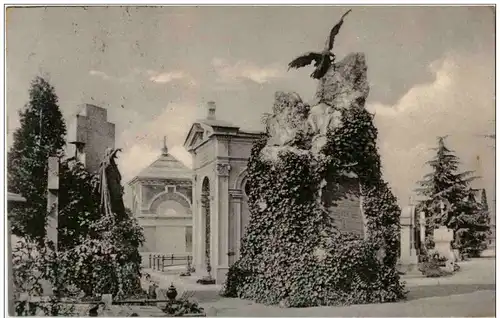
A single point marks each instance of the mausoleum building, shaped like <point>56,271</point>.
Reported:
<point>162,204</point>
<point>220,153</point>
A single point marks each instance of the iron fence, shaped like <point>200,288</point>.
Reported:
<point>159,262</point>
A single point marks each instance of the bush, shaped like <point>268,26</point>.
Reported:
<point>433,263</point>
<point>108,263</point>
<point>179,308</point>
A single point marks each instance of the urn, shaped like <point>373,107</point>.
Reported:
<point>171,292</point>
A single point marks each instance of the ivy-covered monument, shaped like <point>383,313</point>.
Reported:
<point>293,253</point>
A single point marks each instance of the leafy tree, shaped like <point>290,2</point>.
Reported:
<point>40,135</point>
<point>78,204</point>
<point>443,185</point>
<point>450,201</point>
<point>472,225</point>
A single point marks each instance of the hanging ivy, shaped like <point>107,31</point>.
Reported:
<point>291,253</point>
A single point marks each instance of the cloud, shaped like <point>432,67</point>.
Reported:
<point>153,76</point>
<point>167,77</point>
<point>243,70</point>
<point>459,103</point>
<point>100,74</point>
<point>142,145</point>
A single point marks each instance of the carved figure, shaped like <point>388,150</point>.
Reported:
<point>322,60</point>
<point>109,186</point>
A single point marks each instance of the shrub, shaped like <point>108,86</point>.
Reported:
<point>108,263</point>
<point>181,307</point>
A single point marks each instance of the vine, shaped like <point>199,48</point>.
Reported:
<point>292,254</point>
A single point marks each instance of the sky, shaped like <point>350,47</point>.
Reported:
<point>431,72</point>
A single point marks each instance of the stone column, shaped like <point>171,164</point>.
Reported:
<point>422,228</point>
<point>197,229</point>
<point>236,209</point>
<point>52,199</point>
<point>222,221</point>
<point>408,258</point>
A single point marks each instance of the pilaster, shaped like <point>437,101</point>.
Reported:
<point>222,220</point>
<point>236,201</point>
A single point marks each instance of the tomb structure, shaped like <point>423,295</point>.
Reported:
<point>161,202</point>
<point>220,152</point>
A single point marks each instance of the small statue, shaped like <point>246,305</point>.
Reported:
<point>109,186</point>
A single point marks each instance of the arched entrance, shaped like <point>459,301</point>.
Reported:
<point>205,207</point>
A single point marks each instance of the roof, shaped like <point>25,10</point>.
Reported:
<point>14,197</point>
<point>165,167</point>
<point>217,123</point>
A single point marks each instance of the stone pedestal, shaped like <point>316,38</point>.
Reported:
<point>443,238</point>
<point>408,261</point>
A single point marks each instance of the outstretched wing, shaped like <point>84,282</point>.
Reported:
<point>305,60</point>
<point>335,30</point>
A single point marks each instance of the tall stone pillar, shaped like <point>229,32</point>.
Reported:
<point>222,221</point>
<point>408,258</point>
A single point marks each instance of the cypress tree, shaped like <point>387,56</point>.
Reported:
<point>40,135</point>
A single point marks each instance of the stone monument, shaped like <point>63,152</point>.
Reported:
<point>443,237</point>
<point>296,174</point>
<point>89,135</point>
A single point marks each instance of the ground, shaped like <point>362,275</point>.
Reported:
<point>468,293</point>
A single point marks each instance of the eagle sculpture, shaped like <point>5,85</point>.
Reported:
<point>322,60</point>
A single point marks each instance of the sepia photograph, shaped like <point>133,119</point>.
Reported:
<point>204,160</point>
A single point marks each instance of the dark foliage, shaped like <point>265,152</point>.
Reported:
<point>451,202</point>
<point>40,135</point>
<point>291,252</point>
<point>181,307</point>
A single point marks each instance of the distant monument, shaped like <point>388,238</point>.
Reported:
<point>89,135</point>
